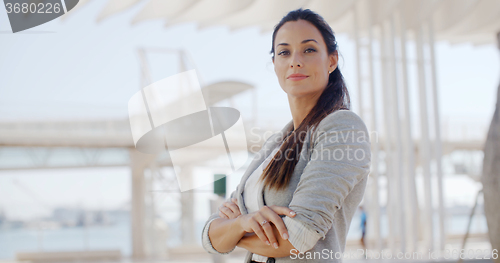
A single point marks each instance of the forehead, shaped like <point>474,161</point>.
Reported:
<point>293,32</point>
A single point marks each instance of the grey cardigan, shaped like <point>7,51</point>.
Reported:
<point>325,189</point>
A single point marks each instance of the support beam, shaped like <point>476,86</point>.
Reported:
<point>411,207</point>
<point>398,160</point>
<point>375,203</point>
<point>437,142</point>
<point>138,162</point>
<point>427,221</point>
<point>388,136</point>
<point>358,61</point>
<point>187,209</point>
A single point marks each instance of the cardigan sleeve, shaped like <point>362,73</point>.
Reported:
<point>340,159</point>
<point>205,239</point>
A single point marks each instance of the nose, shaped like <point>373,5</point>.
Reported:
<point>295,62</point>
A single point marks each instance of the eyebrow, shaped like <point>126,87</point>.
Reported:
<point>303,41</point>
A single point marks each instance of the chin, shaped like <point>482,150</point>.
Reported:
<point>297,93</point>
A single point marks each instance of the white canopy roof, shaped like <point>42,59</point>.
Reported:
<point>474,21</point>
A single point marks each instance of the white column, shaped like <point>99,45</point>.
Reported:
<point>398,157</point>
<point>375,217</point>
<point>138,162</point>
<point>437,143</point>
<point>412,208</point>
<point>390,212</point>
<point>187,210</point>
<point>156,229</point>
<point>424,147</point>
<point>358,62</point>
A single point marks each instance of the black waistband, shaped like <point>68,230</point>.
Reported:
<point>269,260</point>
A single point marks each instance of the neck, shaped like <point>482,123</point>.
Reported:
<point>301,106</point>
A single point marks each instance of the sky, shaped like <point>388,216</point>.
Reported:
<point>78,69</point>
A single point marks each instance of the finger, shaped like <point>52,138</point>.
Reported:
<point>281,210</point>
<point>268,229</point>
<point>233,207</point>
<point>228,212</point>
<point>235,211</point>
<point>272,216</point>
<point>257,229</point>
<point>222,215</point>
<point>234,200</point>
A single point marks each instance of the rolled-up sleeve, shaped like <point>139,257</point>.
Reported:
<point>205,239</point>
<point>340,159</point>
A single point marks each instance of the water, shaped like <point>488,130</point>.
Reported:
<point>117,236</point>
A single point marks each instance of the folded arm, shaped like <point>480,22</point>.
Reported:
<point>225,234</point>
<point>214,239</point>
<point>253,244</point>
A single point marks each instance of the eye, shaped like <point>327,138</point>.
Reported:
<point>279,54</point>
<point>309,49</point>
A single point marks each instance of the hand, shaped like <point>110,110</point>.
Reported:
<point>259,223</point>
<point>229,210</point>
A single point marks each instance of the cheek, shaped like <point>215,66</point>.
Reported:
<point>280,71</point>
<point>320,79</point>
<point>281,67</point>
<point>321,71</point>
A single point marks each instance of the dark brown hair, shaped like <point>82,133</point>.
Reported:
<point>335,96</point>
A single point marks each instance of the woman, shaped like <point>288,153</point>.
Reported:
<point>296,200</point>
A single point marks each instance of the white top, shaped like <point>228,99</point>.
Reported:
<point>251,193</point>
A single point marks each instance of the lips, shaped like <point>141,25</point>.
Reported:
<point>297,76</point>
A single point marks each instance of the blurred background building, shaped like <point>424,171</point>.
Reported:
<point>421,74</point>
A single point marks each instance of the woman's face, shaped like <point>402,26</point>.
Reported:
<point>299,48</point>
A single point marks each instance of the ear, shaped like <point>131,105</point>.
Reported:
<point>274,67</point>
<point>334,59</point>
